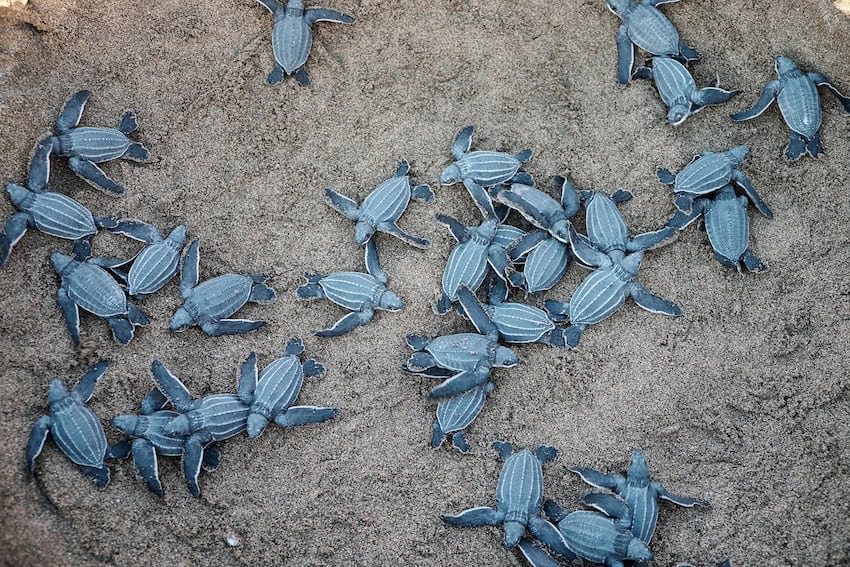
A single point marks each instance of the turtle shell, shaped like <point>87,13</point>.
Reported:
<point>520,323</point>
<point>387,201</point>
<point>94,144</point>
<point>92,288</point>
<point>707,173</point>
<point>219,297</point>
<point>278,386</point>
<point>595,537</point>
<point>519,491</point>
<point>488,168</point>
<point>462,351</point>
<point>292,39</point>
<point>799,103</point>
<point>545,265</point>
<point>78,432</point>
<point>61,216</point>
<point>728,225</point>
<point>456,414</point>
<point>599,296</point>
<point>351,289</point>
<point>650,30</point>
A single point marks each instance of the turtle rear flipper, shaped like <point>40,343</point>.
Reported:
<point>122,329</point>
<point>305,415</point>
<point>38,436</point>
<point>572,335</point>
<point>129,123</point>
<point>100,475</point>
<point>276,75</point>
<point>231,327</point>
<point>71,113</point>
<point>302,76</point>
<point>752,262</point>
<point>120,450</point>
<point>212,458</point>
<point>796,147</point>
<point>137,152</point>
<point>523,177</point>
<point>347,323</point>
<point>665,176</point>
<point>261,293</point>
<point>688,53</point>
<point>814,147</point>
<point>438,436</point>
<point>423,193</point>
<point>442,305</point>
<point>312,368</point>
<point>93,175</point>
<point>312,289</point>
<point>421,361</point>
<point>416,342</point>
<point>136,316</point>
<point>14,230</point>
<point>459,442</point>
<point>145,461</point>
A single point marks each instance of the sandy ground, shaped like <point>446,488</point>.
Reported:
<point>744,401</point>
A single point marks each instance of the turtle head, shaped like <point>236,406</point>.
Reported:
<point>450,175</point>
<point>638,470</point>
<point>363,231</point>
<point>18,194</point>
<point>514,530</point>
<point>561,230</point>
<point>678,113</point>
<point>60,261</point>
<point>638,551</point>
<point>57,391</point>
<point>619,7</point>
<point>180,321</point>
<point>132,425</point>
<point>256,425</point>
<point>739,153</point>
<point>631,263</point>
<point>784,65</point>
<point>505,357</point>
<point>391,302</point>
<point>488,229</point>
<point>178,235</point>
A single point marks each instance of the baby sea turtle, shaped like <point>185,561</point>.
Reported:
<point>616,260</point>
<point>200,422</point>
<point>708,172</point>
<point>728,228</point>
<point>645,26</point>
<point>541,210</point>
<point>480,170</point>
<point>209,304</point>
<point>455,415</point>
<point>356,291</point>
<point>640,493</point>
<point>51,213</point>
<point>149,439</point>
<point>86,284</point>
<point>292,37</point>
<point>799,102</point>
<point>678,89</point>
<point>545,261</point>
<point>85,146</point>
<point>75,428</point>
<point>271,394</point>
<point>519,495</point>
<point>382,208</point>
<point>158,262</point>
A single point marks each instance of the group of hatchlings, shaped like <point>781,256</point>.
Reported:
<point>493,254</point>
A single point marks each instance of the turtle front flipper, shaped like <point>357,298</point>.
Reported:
<point>652,303</point>
<point>313,15</point>
<point>193,454</point>
<point>481,516</point>
<point>137,230</point>
<point>534,554</point>
<point>688,53</point>
<point>609,505</point>
<point>769,93</point>
<point>93,175</point>
<point>373,262</point>
<point>585,253</point>
<point>38,436</point>
<point>481,198</point>
<point>87,384</point>
<point>342,204</point>
<point>458,384</point>
<point>394,230</point>
<point>347,323</point>
<point>171,386</point>
<point>625,55</point>
<point>71,113</point>
<point>40,166</point>
<point>475,313</point>
<point>189,270</point>
<point>247,379</point>
<point>273,6</point>
<point>14,230</point>
<point>712,95</point>
<point>462,142</point>
<point>145,461</point>
<point>231,327</point>
<point>71,312</point>
<point>743,181</point>
<point>305,415</point>
<point>685,501</point>
<point>822,81</point>
<point>551,536</point>
<point>654,239</point>
<point>598,479</point>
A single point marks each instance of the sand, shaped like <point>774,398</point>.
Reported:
<point>743,401</point>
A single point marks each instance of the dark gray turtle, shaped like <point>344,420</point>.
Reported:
<point>640,493</point>
<point>616,260</point>
<point>149,439</point>
<point>271,395</point>
<point>85,146</point>
<point>75,428</point>
<point>455,415</point>
<point>210,303</point>
<point>480,170</point>
<point>382,208</point>
<point>596,537</point>
<point>708,172</point>
<point>728,228</point>
<point>678,89</point>
<point>292,37</point>
<point>158,262</point>
<point>645,26</point>
<point>799,102</point>
<point>86,284</point>
<point>200,422</point>
<point>519,495</point>
<point>358,292</point>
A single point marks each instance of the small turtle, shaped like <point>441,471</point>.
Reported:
<point>454,415</point>
<point>271,395</point>
<point>470,355</point>
<point>516,322</point>
<point>86,284</point>
<point>645,26</point>
<point>51,213</point>
<point>480,170</point>
<point>728,228</point>
<point>545,260</point>
<point>541,210</point>
<point>148,439</point>
<point>640,493</point>
<point>292,37</point>
<point>86,146</point>
<point>594,536</point>
<point>75,428</point>
<point>708,172</point>
<point>678,89</point>
<point>382,208</point>
<point>616,260</point>
<point>799,102</point>
<point>358,292</point>
<point>158,262</point>
<point>209,304</point>
<point>200,422</point>
<point>519,495</point>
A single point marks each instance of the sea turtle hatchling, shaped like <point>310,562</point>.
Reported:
<point>360,293</point>
<point>678,89</point>
<point>75,429</point>
<point>480,170</point>
<point>148,440</point>
<point>616,260</point>
<point>86,146</point>
<point>728,227</point>
<point>455,415</point>
<point>51,213</point>
<point>645,26</point>
<point>519,495</point>
<point>799,101</point>
<point>270,394</point>
<point>382,208</point>
<point>155,264</point>
<point>708,172</point>
<point>640,493</point>
<point>292,37</point>
<point>210,303</point>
